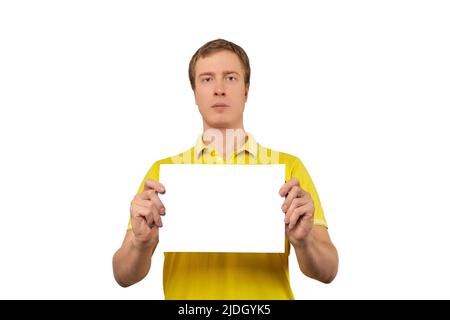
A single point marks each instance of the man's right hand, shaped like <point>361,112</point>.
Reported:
<point>146,211</point>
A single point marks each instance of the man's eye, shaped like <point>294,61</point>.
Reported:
<point>232,78</point>
<point>208,79</point>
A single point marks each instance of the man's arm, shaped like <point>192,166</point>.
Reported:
<point>317,256</point>
<point>131,263</point>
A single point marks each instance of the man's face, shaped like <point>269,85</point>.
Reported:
<point>220,90</point>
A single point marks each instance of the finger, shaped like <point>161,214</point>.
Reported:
<point>141,202</point>
<point>154,185</point>
<point>288,185</point>
<point>303,193</point>
<point>296,216</point>
<point>151,215</point>
<point>146,194</point>
<point>297,202</point>
<point>145,208</point>
<point>143,212</point>
<point>157,218</point>
<point>157,203</point>
<point>293,194</point>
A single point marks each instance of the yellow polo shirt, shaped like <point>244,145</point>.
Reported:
<point>255,276</point>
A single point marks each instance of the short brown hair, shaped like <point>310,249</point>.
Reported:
<point>219,45</point>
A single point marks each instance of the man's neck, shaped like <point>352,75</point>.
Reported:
<point>225,140</point>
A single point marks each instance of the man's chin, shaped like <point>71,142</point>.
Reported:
<point>219,123</point>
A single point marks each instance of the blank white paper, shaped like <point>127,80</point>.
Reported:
<point>222,208</point>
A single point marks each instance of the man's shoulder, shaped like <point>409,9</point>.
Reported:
<point>180,158</point>
<point>276,156</point>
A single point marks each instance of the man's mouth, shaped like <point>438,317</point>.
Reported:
<point>220,105</point>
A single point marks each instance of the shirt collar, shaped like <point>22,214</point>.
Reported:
<point>250,145</point>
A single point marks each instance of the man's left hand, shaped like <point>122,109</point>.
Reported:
<point>299,211</point>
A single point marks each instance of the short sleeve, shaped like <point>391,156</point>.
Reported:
<point>299,171</point>
<point>153,173</point>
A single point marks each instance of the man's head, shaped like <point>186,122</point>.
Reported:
<point>219,73</point>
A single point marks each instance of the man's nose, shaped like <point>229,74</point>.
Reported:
<point>219,89</point>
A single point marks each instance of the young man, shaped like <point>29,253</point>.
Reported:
<point>219,73</point>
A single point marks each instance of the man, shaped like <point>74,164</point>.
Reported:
<point>219,73</point>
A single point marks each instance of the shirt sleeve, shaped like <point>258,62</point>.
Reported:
<point>153,173</point>
<point>299,171</point>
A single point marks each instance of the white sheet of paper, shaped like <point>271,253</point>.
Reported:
<point>222,208</point>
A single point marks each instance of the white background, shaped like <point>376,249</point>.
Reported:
<point>93,92</point>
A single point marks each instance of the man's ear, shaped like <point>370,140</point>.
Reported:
<point>247,87</point>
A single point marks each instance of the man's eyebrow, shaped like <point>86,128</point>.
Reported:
<point>228,72</point>
<point>212,73</point>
